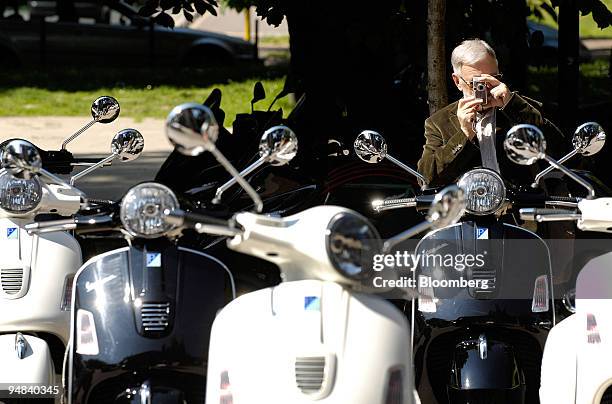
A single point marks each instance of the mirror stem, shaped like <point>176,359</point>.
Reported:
<point>548,169</point>
<point>78,133</point>
<point>234,173</point>
<point>406,168</point>
<point>233,180</point>
<point>93,167</point>
<point>572,175</point>
<point>405,235</point>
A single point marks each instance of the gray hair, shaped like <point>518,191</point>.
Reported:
<point>470,52</point>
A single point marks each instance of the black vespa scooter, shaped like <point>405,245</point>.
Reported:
<point>479,328</point>
<point>141,314</point>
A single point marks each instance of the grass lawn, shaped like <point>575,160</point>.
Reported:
<point>274,40</point>
<point>141,93</point>
<point>594,84</point>
<point>588,27</point>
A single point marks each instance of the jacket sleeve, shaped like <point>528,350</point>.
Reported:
<point>520,110</point>
<point>439,159</point>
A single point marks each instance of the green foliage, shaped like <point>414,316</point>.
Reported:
<point>588,26</point>
<point>594,83</point>
<point>160,9</point>
<point>598,9</point>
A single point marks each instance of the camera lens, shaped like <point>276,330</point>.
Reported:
<point>480,87</point>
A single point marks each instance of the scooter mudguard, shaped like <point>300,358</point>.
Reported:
<point>307,341</point>
<point>141,324</point>
<point>484,367</point>
<point>25,359</point>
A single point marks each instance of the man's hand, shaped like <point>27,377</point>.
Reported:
<point>466,113</point>
<point>500,93</point>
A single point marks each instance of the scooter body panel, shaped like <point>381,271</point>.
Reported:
<point>152,306</point>
<point>310,341</point>
<point>35,270</point>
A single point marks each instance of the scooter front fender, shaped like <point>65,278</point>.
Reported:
<point>485,366</point>
<point>26,361</point>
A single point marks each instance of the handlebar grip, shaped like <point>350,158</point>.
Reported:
<point>380,205</point>
<point>51,226</point>
<point>179,217</point>
<point>548,215</point>
<point>564,199</point>
<point>200,223</point>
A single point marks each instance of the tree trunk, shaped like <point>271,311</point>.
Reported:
<point>568,64</point>
<point>436,55</point>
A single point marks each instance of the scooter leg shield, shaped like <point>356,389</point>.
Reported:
<point>25,359</point>
<point>485,371</point>
<point>558,371</point>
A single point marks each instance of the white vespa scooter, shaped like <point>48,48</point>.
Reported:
<point>575,365</point>
<point>316,336</point>
<point>36,271</point>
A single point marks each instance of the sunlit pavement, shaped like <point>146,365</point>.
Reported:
<point>107,182</point>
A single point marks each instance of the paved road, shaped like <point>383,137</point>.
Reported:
<point>230,22</point>
<point>107,182</point>
<point>114,181</point>
<point>600,47</point>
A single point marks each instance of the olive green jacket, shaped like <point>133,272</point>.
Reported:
<point>448,153</point>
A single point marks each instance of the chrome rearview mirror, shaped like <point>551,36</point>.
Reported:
<point>104,109</point>
<point>192,128</point>
<point>21,158</point>
<point>525,144</point>
<point>446,208</point>
<point>371,147</point>
<point>126,145</point>
<point>278,146</point>
<point>589,138</point>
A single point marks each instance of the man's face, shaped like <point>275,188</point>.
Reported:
<point>463,81</point>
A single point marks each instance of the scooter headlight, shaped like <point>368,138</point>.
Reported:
<point>485,191</point>
<point>351,242</point>
<point>142,210</point>
<point>19,195</point>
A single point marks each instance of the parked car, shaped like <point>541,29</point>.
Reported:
<point>120,37</point>
<point>544,45</point>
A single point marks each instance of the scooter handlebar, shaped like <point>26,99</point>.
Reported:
<point>78,222</point>
<point>200,223</point>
